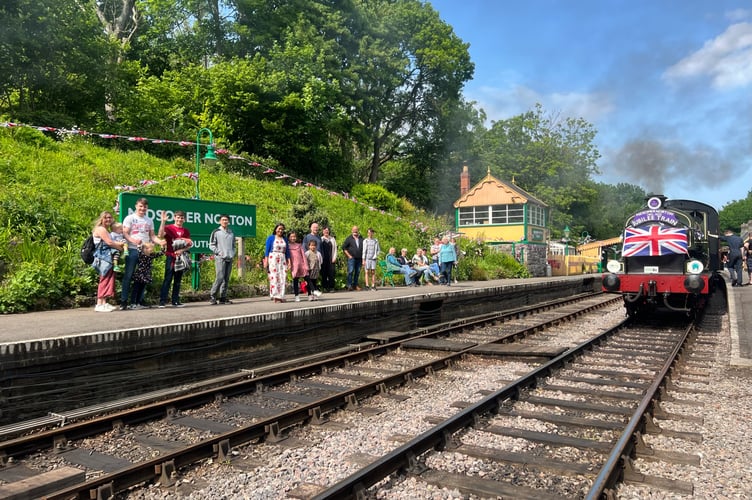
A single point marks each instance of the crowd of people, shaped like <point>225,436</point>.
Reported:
<point>311,263</point>
<point>130,248</point>
<point>135,242</point>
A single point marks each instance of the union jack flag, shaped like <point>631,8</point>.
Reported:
<point>653,241</point>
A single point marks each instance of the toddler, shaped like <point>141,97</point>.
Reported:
<point>142,274</point>
<point>117,235</point>
<point>313,259</point>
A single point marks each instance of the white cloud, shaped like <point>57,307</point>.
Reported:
<point>739,14</point>
<point>727,60</point>
<point>503,103</point>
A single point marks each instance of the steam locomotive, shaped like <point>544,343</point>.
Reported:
<point>670,257</point>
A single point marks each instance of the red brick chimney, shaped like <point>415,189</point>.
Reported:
<point>464,180</point>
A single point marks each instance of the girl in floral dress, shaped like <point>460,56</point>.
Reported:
<point>142,274</point>
<point>276,262</point>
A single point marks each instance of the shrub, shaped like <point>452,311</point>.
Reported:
<point>39,276</point>
<point>479,262</point>
<point>33,137</point>
<point>377,197</point>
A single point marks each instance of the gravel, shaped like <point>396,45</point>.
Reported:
<point>316,457</point>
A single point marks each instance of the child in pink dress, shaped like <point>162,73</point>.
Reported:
<point>298,265</point>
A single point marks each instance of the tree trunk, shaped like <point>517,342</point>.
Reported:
<point>119,18</point>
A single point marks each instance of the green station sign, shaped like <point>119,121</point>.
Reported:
<point>201,216</point>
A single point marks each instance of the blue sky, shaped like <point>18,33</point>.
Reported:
<point>666,83</point>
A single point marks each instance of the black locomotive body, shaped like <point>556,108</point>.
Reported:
<point>670,257</point>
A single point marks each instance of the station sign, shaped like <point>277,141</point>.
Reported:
<point>201,216</point>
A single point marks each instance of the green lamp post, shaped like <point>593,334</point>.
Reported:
<point>210,158</point>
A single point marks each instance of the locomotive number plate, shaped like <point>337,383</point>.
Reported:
<point>650,269</point>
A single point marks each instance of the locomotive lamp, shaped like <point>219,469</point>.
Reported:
<point>694,266</point>
<point>613,266</point>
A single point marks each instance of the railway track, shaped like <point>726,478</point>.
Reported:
<point>271,412</point>
<point>595,402</point>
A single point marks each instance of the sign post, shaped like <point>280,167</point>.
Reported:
<point>201,218</point>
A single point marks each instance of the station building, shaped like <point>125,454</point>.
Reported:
<point>505,217</point>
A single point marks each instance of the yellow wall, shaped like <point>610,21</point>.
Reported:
<point>591,252</point>
<point>569,265</point>
<point>494,233</point>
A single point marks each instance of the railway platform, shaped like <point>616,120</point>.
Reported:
<point>69,323</point>
<point>740,323</point>
<point>92,353</point>
<point>87,356</point>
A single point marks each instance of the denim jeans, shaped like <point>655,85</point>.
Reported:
<point>170,274</point>
<point>446,272</point>
<point>130,266</point>
<point>353,272</point>
<point>407,271</point>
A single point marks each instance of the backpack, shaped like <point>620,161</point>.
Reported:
<point>87,250</point>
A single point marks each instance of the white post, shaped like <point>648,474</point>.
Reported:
<point>241,257</point>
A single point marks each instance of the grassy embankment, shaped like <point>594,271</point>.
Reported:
<point>52,191</point>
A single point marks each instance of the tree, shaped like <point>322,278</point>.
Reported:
<point>736,213</point>
<point>550,157</point>
<point>411,68</point>
<point>398,68</point>
<point>176,33</point>
<point>54,58</point>
<point>607,214</point>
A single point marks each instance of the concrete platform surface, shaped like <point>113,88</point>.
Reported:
<point>740,324</point>
<point>69,322</point>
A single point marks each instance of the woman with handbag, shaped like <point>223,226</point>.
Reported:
<point>103,260</point>
<point>177,249</point>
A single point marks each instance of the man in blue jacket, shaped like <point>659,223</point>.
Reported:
<point>735,244</point>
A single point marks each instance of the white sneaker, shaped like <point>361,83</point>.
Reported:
<point>311,298</point>
<point>317,293</point>
<point>102,308</point>
<point>109,307</point>
<point>297,298</point>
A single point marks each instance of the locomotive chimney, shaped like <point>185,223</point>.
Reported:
<point>464,180</point>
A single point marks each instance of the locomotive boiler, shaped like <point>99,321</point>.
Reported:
<point>670,257</point>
